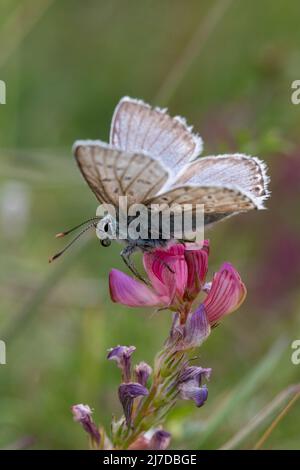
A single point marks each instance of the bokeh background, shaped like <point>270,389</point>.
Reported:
<point>227,66</point>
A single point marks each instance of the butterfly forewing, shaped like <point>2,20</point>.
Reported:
<point>112,173</point>
<point>136,127</point>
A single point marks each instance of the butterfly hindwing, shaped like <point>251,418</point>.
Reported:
<point>216,199</point>
<point>237,170</point>
<point>218,203</point>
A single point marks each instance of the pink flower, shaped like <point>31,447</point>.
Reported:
<point>177,275</point>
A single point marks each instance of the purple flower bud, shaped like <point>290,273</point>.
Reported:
<point>82,414</point>
<point>193,333</point>
<point>197,328</point>
<point>122,355</point>
<point>142,373</point>
<point>190,384</point>
<point>127,393</point>
<point>160,440</point>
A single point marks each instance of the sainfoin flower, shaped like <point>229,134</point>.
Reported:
<point>177,275</point>
<point>177,278</point>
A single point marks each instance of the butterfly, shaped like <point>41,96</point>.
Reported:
<point>152,158</point>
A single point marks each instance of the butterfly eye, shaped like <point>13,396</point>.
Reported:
<point>106,242</point>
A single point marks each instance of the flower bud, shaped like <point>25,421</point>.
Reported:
<point>142,373</point>
<point>83,415</point>
<point>127,393</point>
<point>193,333</point>
<point>122,355</point>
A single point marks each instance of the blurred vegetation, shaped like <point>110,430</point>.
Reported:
<point>228,68</point>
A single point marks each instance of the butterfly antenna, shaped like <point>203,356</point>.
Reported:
<point>63,234</point>
<point>57,255</point>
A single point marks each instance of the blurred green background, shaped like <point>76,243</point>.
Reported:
<point>227,66</point>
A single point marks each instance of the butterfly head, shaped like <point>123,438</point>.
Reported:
<point>106,230</point>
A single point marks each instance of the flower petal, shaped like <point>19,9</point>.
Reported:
<point>197,327</point>
<point>195,374</point>
<point>153,267</point>
<point>190,384</point>
<point>167,268</point>
<point>191,392</point>
<point>196,258</point>
<point>128,291</point>
<point>195,331</point>
<point>227,293</point>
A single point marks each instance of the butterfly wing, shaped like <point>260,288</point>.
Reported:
<point>112,173</point>
<point>137,127</point>
<point>219,202</point>
<point>151,159</point>
<point>247,174</point>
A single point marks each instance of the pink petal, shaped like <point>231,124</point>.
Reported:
<point>153,267</point>
<point>196,257</point>
<point>226,294</point>
<point>167,269</point>
<point>128,291</point>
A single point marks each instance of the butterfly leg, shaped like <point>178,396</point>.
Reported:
<point>165,264</point>
<point>126,256</point>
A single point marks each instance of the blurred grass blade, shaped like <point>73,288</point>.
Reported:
<point>264,415</point>
<point>277,420</point>
<point>192,50</point>
<point>245,389</point>
<point>20,23</point>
